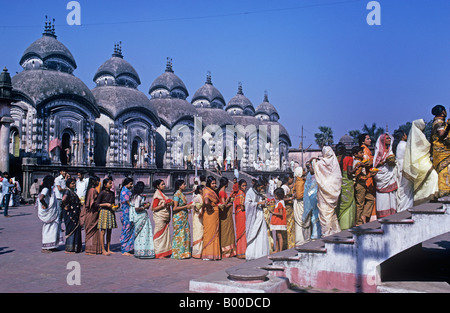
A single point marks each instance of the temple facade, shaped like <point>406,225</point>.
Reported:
<point>52,118</point>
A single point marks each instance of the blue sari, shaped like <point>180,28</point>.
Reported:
<point>311,210</point>
<point>144,247</point>
<point>127,236</point>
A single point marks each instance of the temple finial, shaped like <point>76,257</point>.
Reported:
<point>208,78</point>
<point>240,92</point>
<point>266,96</point>
<point>169,65</point>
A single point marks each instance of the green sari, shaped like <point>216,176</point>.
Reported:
<point>346,208</point>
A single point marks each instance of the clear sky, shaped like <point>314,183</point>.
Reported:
<point>319,60</point>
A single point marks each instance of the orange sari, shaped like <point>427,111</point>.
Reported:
<point>211,223</point>
<point>161,218</point>
<point>239,218</point>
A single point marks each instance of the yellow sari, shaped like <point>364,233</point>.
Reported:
<point>441,156</point>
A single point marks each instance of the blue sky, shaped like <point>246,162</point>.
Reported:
<point>319,60</point>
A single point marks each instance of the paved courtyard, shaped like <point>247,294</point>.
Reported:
<point>25,269</point>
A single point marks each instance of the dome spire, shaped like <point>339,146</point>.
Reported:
<point>169,65</point>
<point>208,78</point>
<point>240,92</point>
<point>118,50</point>
<point>49,28</point>
<point>266,97</point>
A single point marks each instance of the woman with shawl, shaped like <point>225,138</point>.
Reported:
<point>161,217</point>
<point>144,247</point>
<point>126,237</point>
<point>197,222</point>
<point>441,149</point>
<point>346,209</point>
<point>310,209</point>
<point>417,166</point>
<point>227,237</point>
<point>302,230</point>
<point>48,213</point>
<point>72,208</point>
<point>385,179</point>
<point>329,182</point>
<point>255,223</point>
<point>211,222</point>
<point>92,234</point>
<point>405,194</point>
<point>239,219</point>
<point>181,241</point>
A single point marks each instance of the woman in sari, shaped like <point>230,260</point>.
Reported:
<point>385,179</point>
<point>289,205</point>
<point>255,223</point>
<point>310,209</point>
<point>211,222</point>
<point>48,213</point>
<point>405,191</point>
<point>143,233</point>
<point>302,230</point>
<point>92,235</point>
<point>197,222</point>
<point>239,219</point>
<point>227,236</point>
<point>417,165</point>
<point>181,241</point>
<point>329,182</point>
<point>72,208</point>
<point>346,208</point>
<point>127,235</point>
<point>441,149</point>
<point>161,217</point>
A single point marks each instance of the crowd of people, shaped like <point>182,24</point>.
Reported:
<point>335,191</point>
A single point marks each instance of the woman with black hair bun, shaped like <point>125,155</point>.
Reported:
<point>181,241</point>
<point>211,222</point>
<point>161,205</point>
<point>144,247</point>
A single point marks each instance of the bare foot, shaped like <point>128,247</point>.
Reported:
<point>127,253</point>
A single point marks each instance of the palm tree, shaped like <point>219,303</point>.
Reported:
<point>373,131</point>
<point>325,137</point>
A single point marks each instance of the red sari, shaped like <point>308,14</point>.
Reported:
<point>211,223</point>
<point>239,218</point>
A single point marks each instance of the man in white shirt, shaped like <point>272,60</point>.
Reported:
<point>81,186</point>
<point>60,185</point>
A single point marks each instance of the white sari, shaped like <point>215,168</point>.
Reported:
<point>329,180</point>
<point>405,194</point>
<point>51,227</point>
<point>255,226</point>
<point>417,165</point>
<point>385,179</point>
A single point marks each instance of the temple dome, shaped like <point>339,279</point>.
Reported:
<point>118,71</point>
<point>240,104</point>
<point>208,96</point>
<point>48,52</point>
<point>41,86</point>
<point>173,110</point>
<point>168,85</point>
<point>266,110</point>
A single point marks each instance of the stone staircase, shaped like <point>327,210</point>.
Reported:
<point>351,261</point>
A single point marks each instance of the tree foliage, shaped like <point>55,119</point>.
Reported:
<point>325,137</point>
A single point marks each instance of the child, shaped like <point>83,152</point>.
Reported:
<point>364,199</point>
<point>106,219</point>
<point>278,220</point>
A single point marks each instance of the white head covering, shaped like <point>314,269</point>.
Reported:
<point>298,171</point>
<point>328,172</point>
<point>381,153</point>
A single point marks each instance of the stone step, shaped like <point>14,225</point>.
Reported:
<point>343,237</point>
<point>313,246</point>
<point>428,208</point>
<point>403,217</point>
<point>368,228</point>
